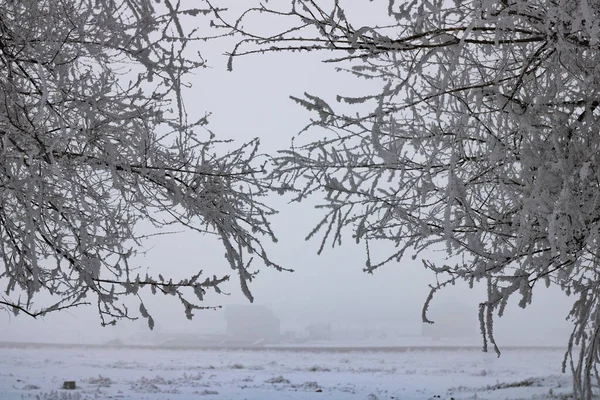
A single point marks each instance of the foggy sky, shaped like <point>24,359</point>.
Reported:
<point>253,101</point>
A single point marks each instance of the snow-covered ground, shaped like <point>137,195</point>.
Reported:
<point>38,372</point>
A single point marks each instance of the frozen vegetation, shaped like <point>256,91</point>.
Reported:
<point>36,372</point>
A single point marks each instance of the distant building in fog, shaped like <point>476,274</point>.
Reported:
<point>252,323</point>
<point>319,331</point>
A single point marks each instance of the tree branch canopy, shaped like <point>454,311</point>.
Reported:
<point>483,136</point>
<point>95,138</point>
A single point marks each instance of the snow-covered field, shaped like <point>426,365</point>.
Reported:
<point>38,372</point>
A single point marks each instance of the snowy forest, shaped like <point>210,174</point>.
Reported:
<point>475,136</point>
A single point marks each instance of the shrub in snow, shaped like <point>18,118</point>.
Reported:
<point>277,379</point>
<point>318,368</point>
<point>100,381</point>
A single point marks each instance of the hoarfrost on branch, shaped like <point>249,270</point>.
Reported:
<point>94,138</point>
<point>483,136</point>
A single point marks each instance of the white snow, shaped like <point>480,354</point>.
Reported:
<point>37,372</point>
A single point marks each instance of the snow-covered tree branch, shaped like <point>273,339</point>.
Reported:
<point>94,138</point>
<point>483,136</point>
